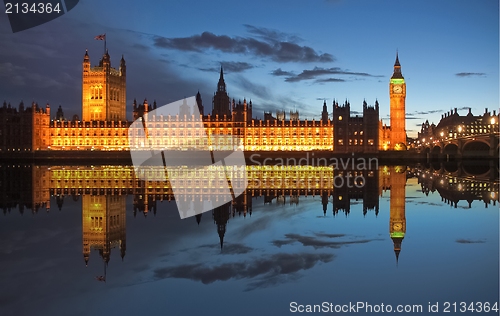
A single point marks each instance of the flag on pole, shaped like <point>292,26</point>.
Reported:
<point>101,37</point>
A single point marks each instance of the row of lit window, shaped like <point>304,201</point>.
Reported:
<point>355,142</point>
<point>89,142</point>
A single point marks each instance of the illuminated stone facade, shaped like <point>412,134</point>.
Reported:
<point>103,225</point>
<point>103,90</point>
<point>104,125</point>
<point>24,129</point>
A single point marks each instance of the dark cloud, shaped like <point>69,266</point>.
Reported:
<point>230,67</point>
<point>329,80</point>
<point>276,50</point>
<point>268,267</point>
<point>141,46</point>
<point>315,242</point>
<point>428,203</point>
<point>329,235</point>
<point>469,241</point>
<point>229,248</point>
<point>254,89</point>
<point>272,35</point>
<point>44,64</point>
<point>319,71</point>
<point>470,74</point>
<point>279,72</point>
<point>424,112</point>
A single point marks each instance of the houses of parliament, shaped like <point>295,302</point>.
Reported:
<point>104,125</point>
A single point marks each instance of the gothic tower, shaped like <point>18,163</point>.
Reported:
<point>199,103</point>
<point>103,90</point>
<point>103,225</point>
<point>324,113</point>
<point>397,221</point>
<point>397,93</point>
<point>221,103</point>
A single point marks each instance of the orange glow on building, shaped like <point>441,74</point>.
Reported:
<point>104,126</point>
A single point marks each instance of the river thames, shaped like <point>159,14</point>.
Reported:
<point>81,240</point>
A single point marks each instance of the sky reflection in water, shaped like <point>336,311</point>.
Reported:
<point>278,252</point>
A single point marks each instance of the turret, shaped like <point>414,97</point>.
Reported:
<point>106,61</point>
<point>86,62</point>
<point>123,67</point>
<point>324,113</point>
<point>199,102</point>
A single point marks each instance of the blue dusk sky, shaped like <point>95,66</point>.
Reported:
<point>280,54</point>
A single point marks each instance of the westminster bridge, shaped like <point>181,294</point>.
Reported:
<point>458,136</point>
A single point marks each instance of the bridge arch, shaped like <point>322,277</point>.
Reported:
<point>476,148</point>
<point>476,169</point>
<point>435,152</point>
<point>451,167</point>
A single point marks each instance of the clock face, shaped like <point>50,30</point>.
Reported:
<point>397,226</point>
<point>397,89</point>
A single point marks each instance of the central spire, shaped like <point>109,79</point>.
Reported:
<point>221,86</point>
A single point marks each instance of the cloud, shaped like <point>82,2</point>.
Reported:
<point>229,248</point>
<point>271,267</point>
<point>329,80</point>
<point>329,235</point>
<point>257,90</point>
<point>230,67</point>
<point>424,112</point>
<point>470,74</point>
<point>272,35</point>
<point>279,72</point>
<point>317,243</point>
<point>410,115</point>
<point>276,50</point>
<point>469,241</point>
<point>48,61</point>
<point>319,71</point>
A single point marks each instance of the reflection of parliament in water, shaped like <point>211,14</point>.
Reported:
<point>103,191</point>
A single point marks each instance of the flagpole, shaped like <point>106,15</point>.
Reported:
<point>104,43</point>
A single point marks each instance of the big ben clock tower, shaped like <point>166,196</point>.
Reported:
<point>397,93</point>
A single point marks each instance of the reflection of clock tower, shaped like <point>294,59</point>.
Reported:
<point>397,93</point>
<point>397,220</point>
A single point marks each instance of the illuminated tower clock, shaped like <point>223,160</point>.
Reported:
<point>397,93</point>
<point>397,222</point>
